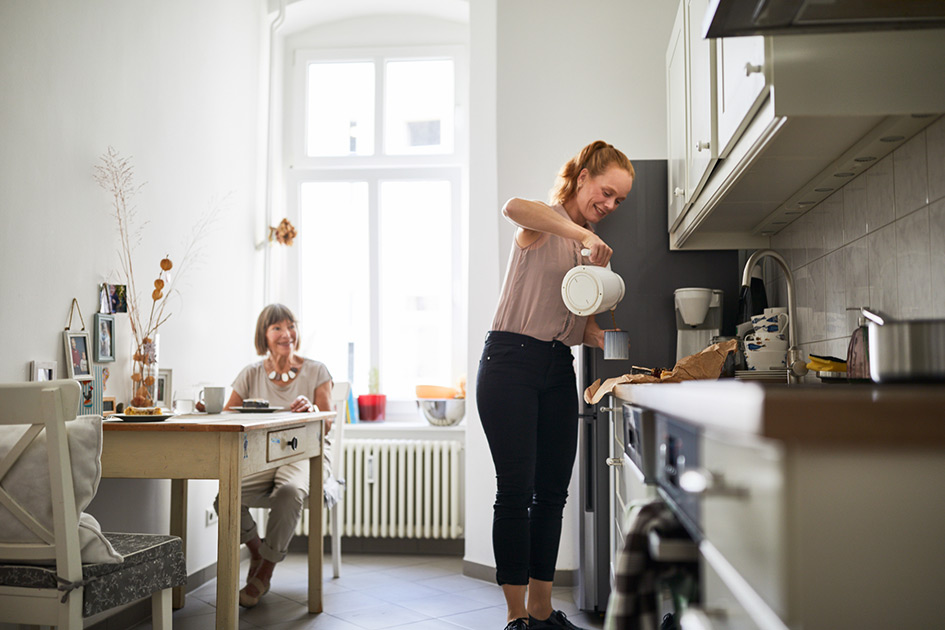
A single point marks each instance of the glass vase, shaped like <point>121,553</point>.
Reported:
<point>144,372</point>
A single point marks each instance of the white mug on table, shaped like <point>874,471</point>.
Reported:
<point>212,398</point>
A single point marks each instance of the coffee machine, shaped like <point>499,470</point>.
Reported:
<point>698,318</point>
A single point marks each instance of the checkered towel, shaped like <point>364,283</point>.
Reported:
<point>632,604</point>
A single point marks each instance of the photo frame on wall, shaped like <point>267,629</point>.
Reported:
<point>163,390</point>
<point>43,370</point>
<point>78,355</point>
<point>104,347</point>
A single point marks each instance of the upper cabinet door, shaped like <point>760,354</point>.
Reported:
<point>703,138</point>
<point>742,86</point>
<point>677,104</point>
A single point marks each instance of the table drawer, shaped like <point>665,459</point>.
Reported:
<point>287,443</point>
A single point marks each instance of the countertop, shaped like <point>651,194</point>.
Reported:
<point>837,414</point>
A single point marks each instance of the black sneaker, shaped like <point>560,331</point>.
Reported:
<point>557,620</point>
<point>518,624</point>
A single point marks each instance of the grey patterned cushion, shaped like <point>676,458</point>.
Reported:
<point>151,563</point>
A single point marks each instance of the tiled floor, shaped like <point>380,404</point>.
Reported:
<point>409,592</point>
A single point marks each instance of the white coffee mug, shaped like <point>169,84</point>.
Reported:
<point>212,398</point>
<point>774,324</point>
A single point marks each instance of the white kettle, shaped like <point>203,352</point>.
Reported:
<point>589,289</point>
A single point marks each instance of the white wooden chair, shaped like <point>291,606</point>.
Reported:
<point>339,398</point>
<point>46,583</point>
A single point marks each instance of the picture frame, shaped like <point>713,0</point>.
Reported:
<point>108,405</point>
<point>163,389</point>
<point>78,355</point>
<point>104,346</point>
<point>43,370</point>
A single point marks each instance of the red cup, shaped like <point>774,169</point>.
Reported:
<point>371,407</point>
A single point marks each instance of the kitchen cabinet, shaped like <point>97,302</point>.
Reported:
<point>783,121</point>
<point>690,97</point>
<point>823,505</point>
<point>677,119</point>
<point>627,481</point>
<point>742,84</point>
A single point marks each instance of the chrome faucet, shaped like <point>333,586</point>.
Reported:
<point>797,367</point>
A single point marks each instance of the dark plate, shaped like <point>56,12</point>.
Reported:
<point>127,418</point>
<point>256,409</point>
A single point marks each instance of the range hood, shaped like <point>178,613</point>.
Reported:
<point>734,18</point>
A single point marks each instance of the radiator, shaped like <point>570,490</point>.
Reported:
<point>397,489</point>
<point>403,489</point>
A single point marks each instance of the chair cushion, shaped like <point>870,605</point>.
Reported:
<point>28,483</point>
<point>151,563</point>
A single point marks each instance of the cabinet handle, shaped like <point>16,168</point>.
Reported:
<point>700,481</point>
<point>615,461</point>
<point>678,192</point>
<point>608,409</point>
<point>702,146</point>
<point>751,69</point>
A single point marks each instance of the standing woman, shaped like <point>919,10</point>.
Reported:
<point>526,389</point>
<point>293,382</point>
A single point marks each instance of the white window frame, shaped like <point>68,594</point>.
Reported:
<point>377,168</point>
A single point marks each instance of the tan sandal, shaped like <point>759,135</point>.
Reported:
<point>247,600</point>
<point>253,565</point>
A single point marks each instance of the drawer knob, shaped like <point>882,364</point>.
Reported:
<point>703,146</point>
<point>293,444</point>
<point>678,192</point>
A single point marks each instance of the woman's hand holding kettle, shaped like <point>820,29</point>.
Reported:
<point>597,251</point>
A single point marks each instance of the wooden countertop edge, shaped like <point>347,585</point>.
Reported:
<point>836,415</point>
<point>224,423</point>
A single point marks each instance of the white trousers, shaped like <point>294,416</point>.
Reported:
<point>283,489</point>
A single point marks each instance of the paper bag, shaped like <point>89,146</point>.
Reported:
<point>706,364</point>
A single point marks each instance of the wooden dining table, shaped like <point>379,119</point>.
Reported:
<point>226,447</point>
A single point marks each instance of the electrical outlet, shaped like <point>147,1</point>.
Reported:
<point>211,517</point>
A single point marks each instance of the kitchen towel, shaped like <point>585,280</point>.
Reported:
<point>633,602</point>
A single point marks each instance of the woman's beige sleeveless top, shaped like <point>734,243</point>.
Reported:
<point>530,303</point>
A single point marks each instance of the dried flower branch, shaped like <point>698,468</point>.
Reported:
<point>284,234</point>
<point>115,175</point>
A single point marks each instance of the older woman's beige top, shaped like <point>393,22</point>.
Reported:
<point>530,303</point>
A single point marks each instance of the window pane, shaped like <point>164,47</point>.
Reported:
<point>335,297</point>
<point>418,115</point>
<point>339,116</point>
<point>415,308</point>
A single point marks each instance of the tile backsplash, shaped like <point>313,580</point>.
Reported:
<point>879,241</point>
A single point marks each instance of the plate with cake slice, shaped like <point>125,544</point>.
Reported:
<point>142,414</point>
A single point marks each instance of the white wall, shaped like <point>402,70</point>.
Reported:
<point>175,85</point>
<point>547,78</point>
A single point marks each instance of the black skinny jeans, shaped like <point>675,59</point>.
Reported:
<point>527,397</point>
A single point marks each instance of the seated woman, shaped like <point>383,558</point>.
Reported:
<point>293,382</point>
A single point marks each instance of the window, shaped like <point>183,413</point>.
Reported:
<point>375,185</point>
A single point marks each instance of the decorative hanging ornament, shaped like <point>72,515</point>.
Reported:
<point>283,376</point>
